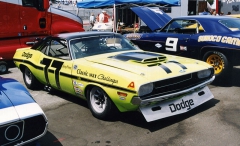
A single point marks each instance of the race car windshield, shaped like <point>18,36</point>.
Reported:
<point>232,24</point>
<point>95,45</point>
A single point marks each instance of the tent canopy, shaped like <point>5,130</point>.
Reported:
<point>104,3</point>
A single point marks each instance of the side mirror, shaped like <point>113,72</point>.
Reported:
<point>46,4</point>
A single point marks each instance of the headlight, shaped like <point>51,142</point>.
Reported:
<point>145,89</point>
<point>204,73</point>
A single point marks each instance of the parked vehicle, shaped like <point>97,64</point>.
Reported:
<point>112,74</point>
<point>22,120</point>
<point>213,39</point>
<point>23,22</point>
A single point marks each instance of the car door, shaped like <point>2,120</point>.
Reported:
<point>34,23</point>
<point>176,38</point>
<point>57,65</point>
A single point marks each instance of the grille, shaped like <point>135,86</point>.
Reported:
<point>28,128</point>
<point>175,84</point>
<point>34,126</point>
<point>10,133</point>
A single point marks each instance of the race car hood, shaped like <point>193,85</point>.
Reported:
<point>147,63</point>
<point>153,17</point>
<point>15,102</point>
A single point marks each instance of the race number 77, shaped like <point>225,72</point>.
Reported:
<point>171,44</point>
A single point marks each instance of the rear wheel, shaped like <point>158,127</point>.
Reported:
<point>3,67</point>
<point>100,104</point>
<point>30,80</point>
<point>220,63</point>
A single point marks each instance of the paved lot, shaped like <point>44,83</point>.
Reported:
<point>215,123</point>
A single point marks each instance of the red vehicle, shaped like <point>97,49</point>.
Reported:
<point>23,22</point>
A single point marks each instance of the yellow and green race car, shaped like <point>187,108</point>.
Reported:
<point>113,74</point>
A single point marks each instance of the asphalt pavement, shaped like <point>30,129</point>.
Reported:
<point>215,123</point>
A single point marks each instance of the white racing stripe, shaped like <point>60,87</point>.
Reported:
<point>12,114</point>
<point>8,115</point>
<point>174,107</point>
<point>29,110</point>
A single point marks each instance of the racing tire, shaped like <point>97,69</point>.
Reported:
<point>3,67</point>
<point>100,104</point>
<point>222,66</point>
<point>30,80</point>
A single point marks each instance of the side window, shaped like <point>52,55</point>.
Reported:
<point>57,49</point>
<point>29,3</point>
<point>45,49</point>
<point>173,27</point>
<point>192,27</point>
<point>183,27</point>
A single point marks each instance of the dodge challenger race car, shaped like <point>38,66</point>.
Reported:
<point>213,39</point>
<point>22,120</point>
<point>112,74</point>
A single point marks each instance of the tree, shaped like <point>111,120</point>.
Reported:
<point>210,1</point>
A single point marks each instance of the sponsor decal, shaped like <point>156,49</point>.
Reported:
<point>92,75</point>
<point>229,1</point>
<point>131,85</point>
<point>220,39</point>
<point>133,36</point>
<point>158,45</point>
<point>100,77</point>
<point>108,79</point>
<point>182,105</point>
<point>78,91</point>
<point>85,73</point>
<point>183,48</point>
<point>80,84</point>
<point>66,67</point>
<point>27,55</point>
<point>75,67</point>
<point>75,83</point>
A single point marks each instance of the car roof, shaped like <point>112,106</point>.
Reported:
<point>204,17</point>
<point>72,35</point>
<point>159,19</point>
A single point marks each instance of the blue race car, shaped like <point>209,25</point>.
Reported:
<point>214,39</point>
<point>22,120</point>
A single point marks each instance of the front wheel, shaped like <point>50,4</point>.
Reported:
<point>220,63</point>
<point>30,80</point>
<point>3,67</point>
<point>100,104</point>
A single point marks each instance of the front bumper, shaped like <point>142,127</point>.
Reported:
<point>139,101</point>
<point>177,106</point>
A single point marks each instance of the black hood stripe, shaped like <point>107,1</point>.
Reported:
<point>181,65</point>
<point>165,68</point>
<point>139,56</point>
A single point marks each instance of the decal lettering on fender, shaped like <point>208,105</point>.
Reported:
<point>218,38</point>
<point>102,77</point>
<point>182,105</point>
<point>27,55</point>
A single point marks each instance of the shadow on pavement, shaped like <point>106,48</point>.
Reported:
<point>137,119</point>
<point>233,79</point>
<point>49,140</point>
